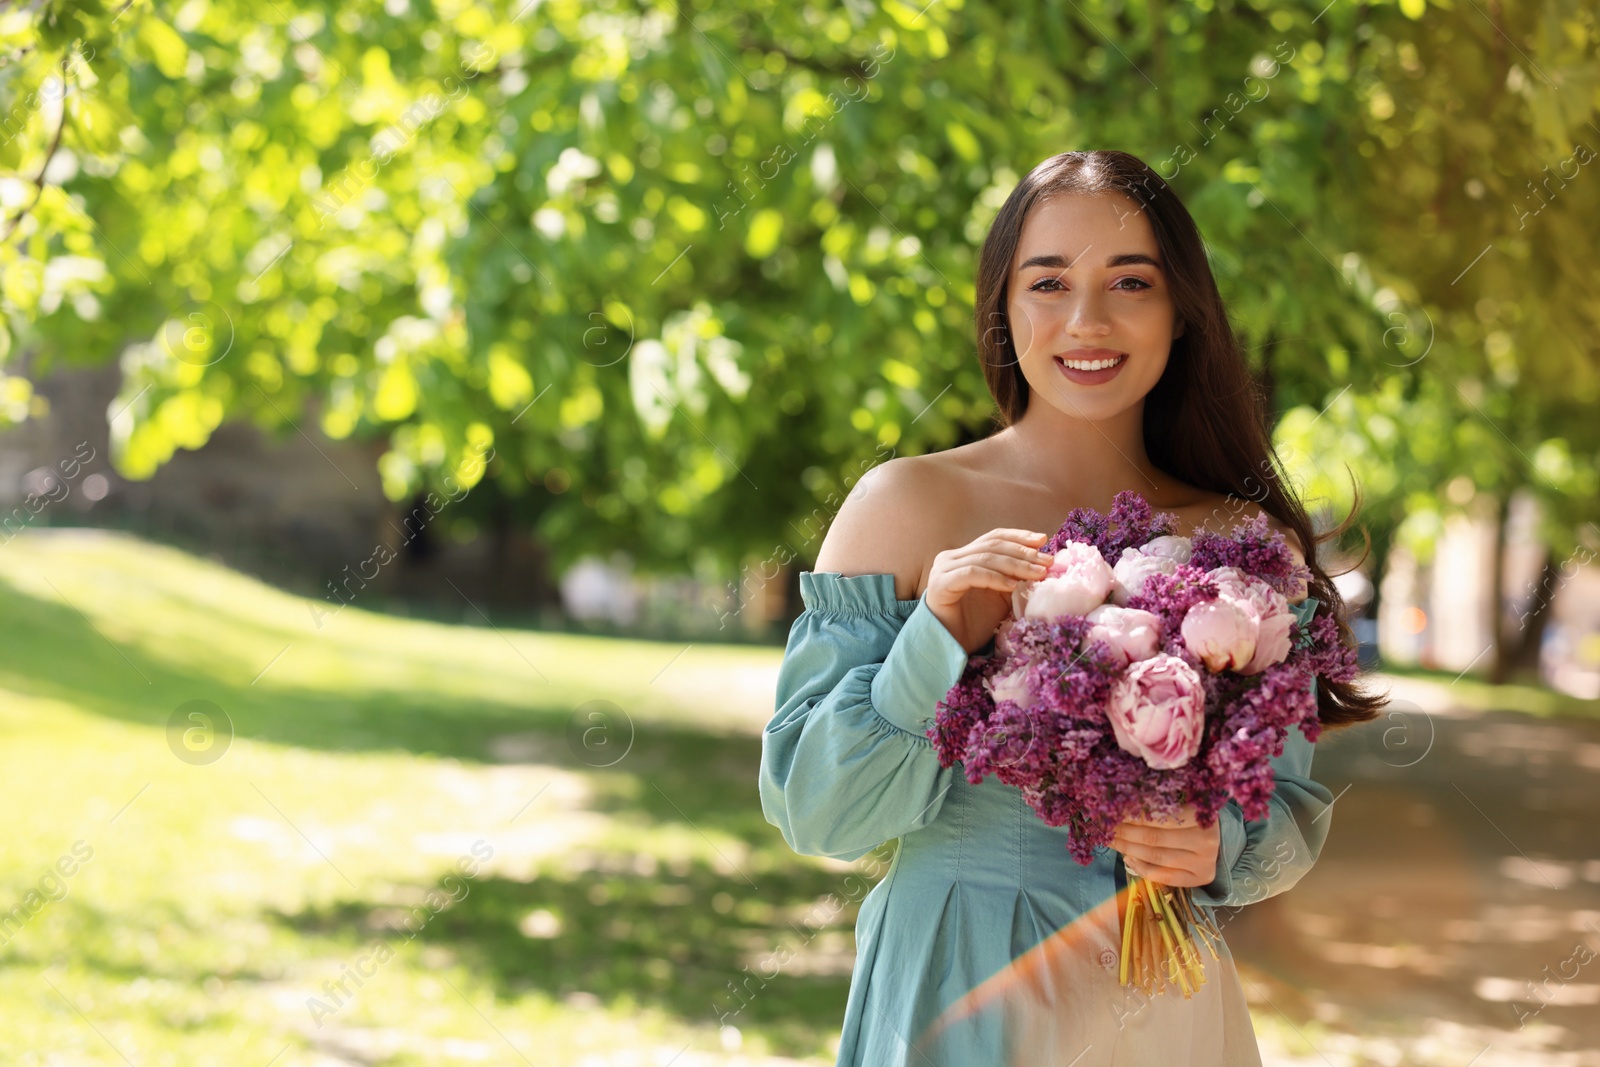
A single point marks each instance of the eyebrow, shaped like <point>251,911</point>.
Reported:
<point>1121,259</point>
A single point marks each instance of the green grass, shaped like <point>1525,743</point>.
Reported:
<point>632,876</point>
<point>623,894</point>
<point>1477,695</point>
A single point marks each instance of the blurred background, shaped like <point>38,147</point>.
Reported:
<point>414,418</point>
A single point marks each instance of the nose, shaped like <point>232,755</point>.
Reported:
<point>1086,317</point>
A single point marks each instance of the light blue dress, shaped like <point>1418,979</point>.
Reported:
<point>985,943</point>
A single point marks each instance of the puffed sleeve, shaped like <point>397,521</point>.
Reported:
<point>1262,858</point>
<point>846,763</point>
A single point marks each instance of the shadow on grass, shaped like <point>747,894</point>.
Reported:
<point>98,939</point>
<point>682,937</point>
<point>53,652</point>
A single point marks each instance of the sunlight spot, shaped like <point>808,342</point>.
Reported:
<point>1541,874</point>
<point>1563,994</point>
<point>540,923</point>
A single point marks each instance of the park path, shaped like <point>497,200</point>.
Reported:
<point>1453,917</point>
<point>1454,914</point>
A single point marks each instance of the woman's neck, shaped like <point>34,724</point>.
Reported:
<point>1090,461</point>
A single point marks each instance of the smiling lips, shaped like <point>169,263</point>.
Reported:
<point>1091,359</point>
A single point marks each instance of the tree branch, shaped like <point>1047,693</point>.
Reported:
<point>38,182</point>
<point>858,69</point>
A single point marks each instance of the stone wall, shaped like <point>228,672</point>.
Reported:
<point>299,510</point>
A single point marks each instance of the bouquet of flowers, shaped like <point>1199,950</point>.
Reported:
<point>1144,673</point>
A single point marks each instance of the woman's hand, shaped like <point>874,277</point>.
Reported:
<point>1181,853</point>
<point>969,588</point>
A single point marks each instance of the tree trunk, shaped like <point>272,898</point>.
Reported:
<point>792,604</point>
<point>1500,659</point>
<point>1382,546</point>
<point>1524,656</point>
<point>1269,383</point>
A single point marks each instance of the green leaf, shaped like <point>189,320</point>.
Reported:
<point>95,126</point>
<point>962,140</point>
<point>164,46</point>
<point>765,229</point>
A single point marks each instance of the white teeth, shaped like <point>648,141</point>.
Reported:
<point>1097,364</point>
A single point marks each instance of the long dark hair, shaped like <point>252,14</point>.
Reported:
<point>1205,421</point>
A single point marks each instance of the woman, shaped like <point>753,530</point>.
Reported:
<point>1107,348</point>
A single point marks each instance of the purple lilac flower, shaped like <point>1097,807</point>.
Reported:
<point>1130,524</point>
<point>1255,548</point>
<point>1060,751</point>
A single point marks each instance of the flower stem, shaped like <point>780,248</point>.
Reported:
<point>1127,932</point>
<point>1175,955</point>
<point>1177,972</point>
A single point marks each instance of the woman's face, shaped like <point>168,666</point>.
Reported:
<point>1088,275</point>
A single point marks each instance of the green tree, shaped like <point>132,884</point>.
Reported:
<point>684,270</point>
<point>1479,135</point>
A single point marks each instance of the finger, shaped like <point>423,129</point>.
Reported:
<point>1017,534</point>
<point>1157,856</point>
<point>1144,833</point>
<point>1169,849</point>
<point>1029,567</point>
<point>995,553</point>
<point>1181,818</point>
<point>976,577</point>
<point>1031,547</point>
<point>1152,856</point>
<point>1011,571</point>
<point>1181,822</point>
<point>1169,876</point>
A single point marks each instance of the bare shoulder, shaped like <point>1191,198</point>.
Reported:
<point>894,521</point>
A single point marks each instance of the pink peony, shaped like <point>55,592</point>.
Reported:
<point>1002,636</point>
<point>1272,641</point>
<point>1133,568</point>
<point>1078,581</point>
<point>1010,685</point>
<point>1233,583</point>
<point>1246,629</point>
<point>1178,549</point>
<point>1131,634</point>
<point>1222,633</point>
<point>1158,711</point>
<point>1099,742</point>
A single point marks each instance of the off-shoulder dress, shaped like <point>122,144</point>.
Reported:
<point>985,943</point>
